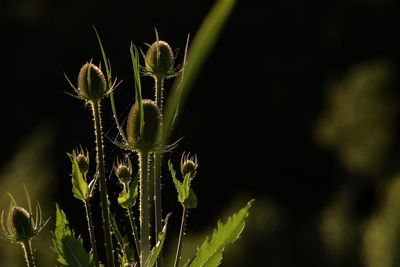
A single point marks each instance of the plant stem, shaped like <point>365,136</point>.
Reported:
<point>91,232</point>
<point>134,231</point>
<point>181,232</point>
<point>144,207</point>
<point>157,194</point>
<point>159,88</point>
<point>123,245</point>
<point>157,171</point>
<point>26,246</point>
<point>102,181</point>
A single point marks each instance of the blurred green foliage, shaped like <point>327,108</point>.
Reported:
<point>381,246</point>
<point>31,165</point>
<point>359,125</point>
<point>359,117</point>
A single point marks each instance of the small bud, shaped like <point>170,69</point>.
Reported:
<point>160,64</point>
<point>189,165</point>
<point>123,170</point>
<point>82,158</point>
<point>22,224</point>
<point>151,127</point>
<point>92,84</point>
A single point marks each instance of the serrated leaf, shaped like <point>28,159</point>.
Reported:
<point>69,249</point>
<point>182,188</point>
<point>185,188</point>
<point>209,254</point>
<point>158,247</point>
<point>80,188</point>
<point>128,199</point>
<point>191,201</point>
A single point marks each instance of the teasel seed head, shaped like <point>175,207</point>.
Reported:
<point>189,164</point>
<point>92,83</point>
<point>19,225</point>
<point>123,170</point>
<point>82,157</point>
<point>22,224</point>
<point>160,60</point>
<point>149,139</point>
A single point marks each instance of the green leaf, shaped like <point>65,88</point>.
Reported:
<point>182,188</point>
<point>79,186</point>
<point>138,87</point>
<point>209,254</point>
<point>105,59</point>
<point>69,249</point>
<point>128,199</point>
<point>151,260</point>
<point>126,252</point>
<point>191,201</point>
<point>203,42</point>
<point>185,188</point>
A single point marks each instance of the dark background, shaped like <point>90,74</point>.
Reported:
<point>251,115</point>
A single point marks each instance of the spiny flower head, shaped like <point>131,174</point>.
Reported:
<point>92,84</point>
<point>123,170</point>
<point>82,157</point>
<point>19,225</point>
<point>22,225</point>
<point>189,165</point>
<point>160,60</point>
<point>148,139</point>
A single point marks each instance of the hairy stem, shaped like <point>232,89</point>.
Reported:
<point>118,236</point>
<point>157,171</point>
<point>91,233</point>
<point>159,90</point>
<point>26,246</point>
<point>180,239</point>
<point>102,181</point>
<point>144,207</point>
<point>134,231</point>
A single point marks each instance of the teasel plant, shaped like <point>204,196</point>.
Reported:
<point>186,196</point>
<point>83,191</point>
<point>142,135</point>
<point>20,226</point>
<point>146,136</point>
<point>160,65</point>
<point>92,88</point>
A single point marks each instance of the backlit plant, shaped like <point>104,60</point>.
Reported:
<point>144,139</point>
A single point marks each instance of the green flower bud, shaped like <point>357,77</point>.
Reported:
<point>22,224</point>
<point>124,172</point>
<point>82,159</point>
<point>189,165</point>
<point>151,128</point>
<point>83,163</point>
<point>92,84</point>
<point>161,64</point>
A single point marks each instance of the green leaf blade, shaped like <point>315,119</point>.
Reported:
<point>191,201</point>
<point>158,247</point>
<point>203,42</point>
<point>210,252</point>
<point>128,199</point>
<point>80,188</point>
<point>69,249</point>
<point>182,188</point>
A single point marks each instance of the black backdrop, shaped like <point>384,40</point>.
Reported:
<point>252,112</point>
